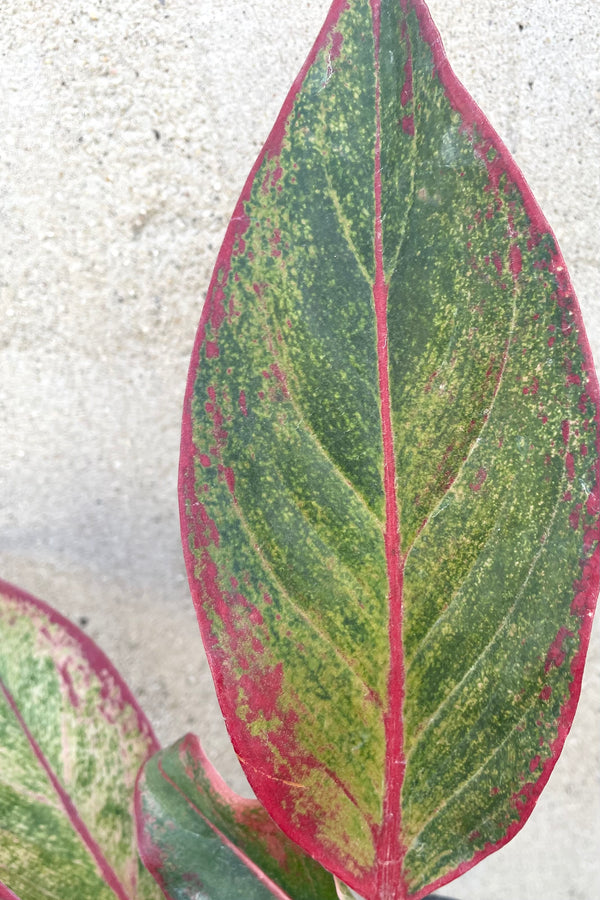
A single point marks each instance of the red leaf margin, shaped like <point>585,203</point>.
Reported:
<point>99,662</point>
<point>586,589</point>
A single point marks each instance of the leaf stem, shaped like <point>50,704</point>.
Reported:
<point>390,883</point>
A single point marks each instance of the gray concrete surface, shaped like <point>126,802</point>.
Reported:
<point>127,130</point>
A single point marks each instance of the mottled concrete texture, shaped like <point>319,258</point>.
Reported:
<point>127,130</point>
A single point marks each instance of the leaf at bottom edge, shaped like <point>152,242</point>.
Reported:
<point>72,739</point>
<point>198,838</point>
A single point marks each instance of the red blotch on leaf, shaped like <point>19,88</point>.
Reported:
<point>574,516</point>
<point>523,797</point>
<point>583,601</point>
<point>556,653</point>
<point>570,466</point>
<point>479,480</point>
<point>533,388</point>
<point>534,764</point>
<point>592,505</point>
<point>516,261</point>
<point>262,697</point>
<point>228,473</point>
<point>279,375</point>
<point>408,125</point>
<point>199,522</point>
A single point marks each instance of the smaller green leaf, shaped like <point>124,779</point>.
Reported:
<point>72,739</point>
<point>201,841</point>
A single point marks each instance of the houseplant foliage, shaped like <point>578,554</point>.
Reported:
<point>72,741</point>
<point>389,468</point>
<point>184,804</point>
<point>389,501</point>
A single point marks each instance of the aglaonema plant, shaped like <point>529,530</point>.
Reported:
<point>389,469</point>
<point>389,500</point>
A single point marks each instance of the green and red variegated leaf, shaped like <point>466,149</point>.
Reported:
<point>72,740</point>
<point>389,470</point>
<point>200,839</point>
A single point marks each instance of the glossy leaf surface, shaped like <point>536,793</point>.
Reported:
<point>201,840</point>
<point>389,469</point>
<point>72,740</point>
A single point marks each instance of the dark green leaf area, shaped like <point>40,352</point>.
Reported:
<point>527,480</point>
<point>202,841</point>
<point>489,648</point>
<point>301,273</point>
<point>535,435</point>
<point>495,463</point>
<point>398,144</point>
<point>289,406</point>
<point>320,547</point>
<point>492,798</point>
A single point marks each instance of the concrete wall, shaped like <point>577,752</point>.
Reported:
<point>127,130</point>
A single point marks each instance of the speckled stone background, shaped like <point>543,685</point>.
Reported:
<point>127,128</point>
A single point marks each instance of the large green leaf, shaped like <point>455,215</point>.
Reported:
<point>389,468</point>
<point>200,840</point>
<point>72,740</point>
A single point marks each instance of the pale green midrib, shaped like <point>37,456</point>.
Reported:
<point>477,438</point>
<point>505,622</point>
<point>447,612</point>
<point>255,544</point>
